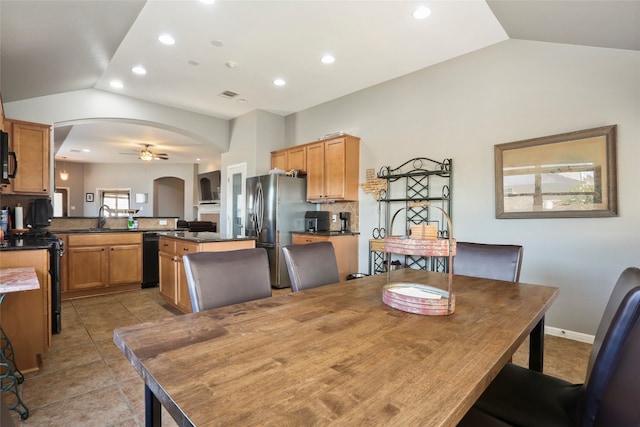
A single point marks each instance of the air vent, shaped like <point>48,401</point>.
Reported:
<point>228,94</point>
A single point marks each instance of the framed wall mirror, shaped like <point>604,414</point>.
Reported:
<point>570,175</point>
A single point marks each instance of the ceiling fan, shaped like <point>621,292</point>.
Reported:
<point>147,155</point>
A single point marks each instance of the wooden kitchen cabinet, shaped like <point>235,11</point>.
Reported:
<point>279,159</point>
<point>98,263</point>
<point>315,171</point>
<point>333,167</point>
<point>31,143</point>
<point>344,245</point>
<point>26,316</point>
<point>173,279</point>
<point>290,158</point>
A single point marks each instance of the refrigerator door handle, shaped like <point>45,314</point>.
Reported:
<point>259,208</point>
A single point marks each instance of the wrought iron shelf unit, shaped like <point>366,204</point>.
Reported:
<point>417,180</point>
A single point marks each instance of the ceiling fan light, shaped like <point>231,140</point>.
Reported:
<point>146,155</point>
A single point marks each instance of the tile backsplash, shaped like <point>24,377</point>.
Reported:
<point>336,208</point>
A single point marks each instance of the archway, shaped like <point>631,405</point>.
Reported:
<point>168,197</point>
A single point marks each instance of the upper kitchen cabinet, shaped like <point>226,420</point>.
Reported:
<point>290,158</point>
<point>31,143</point>
<point>333,167</point>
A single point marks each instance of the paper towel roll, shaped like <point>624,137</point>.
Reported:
<point>18,218</point>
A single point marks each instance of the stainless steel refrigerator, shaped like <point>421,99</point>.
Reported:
<point>276,205</point>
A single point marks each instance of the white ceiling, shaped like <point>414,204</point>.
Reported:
<point>50,47</point>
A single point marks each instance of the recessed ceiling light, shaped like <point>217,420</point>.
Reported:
<point>86,150</point>
<point>421,12</point>
<point>279,82</point>
<point>231,64</point>
<point>208,1</point>
<point>193,62</point>
<point>166,39</point>
<point>139,69</point>
<point>116,84</point>
<point>216,43</point>
<point>242,101</point>
<point>327,59</point>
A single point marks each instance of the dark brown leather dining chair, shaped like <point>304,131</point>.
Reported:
<point>609,396</point>
<point>216,279</point>
<point>311,265</point>
<point>489,261</point>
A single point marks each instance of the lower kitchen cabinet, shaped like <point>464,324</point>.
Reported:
<point>98,263</point>
<point>344,245</point>
<point>26,315</point>
<point>173,279</point>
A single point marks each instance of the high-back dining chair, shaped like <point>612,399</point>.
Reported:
<point>609,396</point>
<point>489,261</point>
<point>311,265</point>
<point>216,279</point>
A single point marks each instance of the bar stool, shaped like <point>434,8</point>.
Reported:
<point>10,374</point>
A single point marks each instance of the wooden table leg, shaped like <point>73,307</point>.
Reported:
<point>536,347</point>
<point>152,409</point>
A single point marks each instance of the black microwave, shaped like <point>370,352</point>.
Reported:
<point>5,154</point>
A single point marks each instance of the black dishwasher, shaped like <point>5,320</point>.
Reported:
<point>150,259</point>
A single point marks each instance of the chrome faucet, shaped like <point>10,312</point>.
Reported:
<point>101,219</point>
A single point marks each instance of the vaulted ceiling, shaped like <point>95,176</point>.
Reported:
<point>52,47</point>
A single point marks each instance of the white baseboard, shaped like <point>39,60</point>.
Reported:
<point>576,336</point>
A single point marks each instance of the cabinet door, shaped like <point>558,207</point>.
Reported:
<point>88,267</point>
<point>279,160</point>
<point>125,264</point>
<point>315,171</point>
<point>182,293</point>
<point>335,167</point>
<point>184,300</point>
<point>297,158</point>
<point>30,142</point>
<point>168,284</point>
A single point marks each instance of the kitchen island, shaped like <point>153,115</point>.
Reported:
<point>173,245</point>
<point>26,315</point>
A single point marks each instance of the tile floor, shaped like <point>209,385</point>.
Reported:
<point>86,381</point>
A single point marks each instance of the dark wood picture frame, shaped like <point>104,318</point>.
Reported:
<point>569,175</point>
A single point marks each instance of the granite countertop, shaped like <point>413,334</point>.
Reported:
<point>200,236</point>
<point>115,230</point>
<point>23,244</point>
<point>328,233</point>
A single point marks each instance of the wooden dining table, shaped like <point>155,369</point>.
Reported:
<point>335,354</point>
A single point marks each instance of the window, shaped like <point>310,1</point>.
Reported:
<point>118,202</point>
